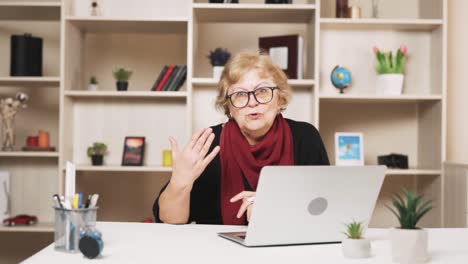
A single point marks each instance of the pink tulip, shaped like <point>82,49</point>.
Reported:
<point>403,49</point>
<point>375,49</point>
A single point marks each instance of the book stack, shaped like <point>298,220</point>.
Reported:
<point>171,78</point>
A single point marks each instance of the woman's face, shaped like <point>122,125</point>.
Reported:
<point>254,119</point>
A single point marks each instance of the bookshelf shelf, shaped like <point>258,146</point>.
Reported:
<point>253,13</point>
<point>380,24</point>
<point>30,81</point>
<point>176,25</point>
<point>29,154</point>
<point>39,228</point>
<point>117,168</point>
<point>379,98</point>
<point>210,82</point>
<point>123,94</point>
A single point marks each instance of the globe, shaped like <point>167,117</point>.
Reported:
<point>340,77</point>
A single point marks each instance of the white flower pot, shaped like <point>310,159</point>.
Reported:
<point>92,87</point>
<point>390,84</point>
<point>409,245</point>
<point>356,248</point>
<point>217,71</point>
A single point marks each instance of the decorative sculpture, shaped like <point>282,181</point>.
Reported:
<point>8,109</point>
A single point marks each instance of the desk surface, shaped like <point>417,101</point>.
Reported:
<point>161,243</point>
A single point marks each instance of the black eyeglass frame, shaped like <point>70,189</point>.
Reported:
<point>271,88</point>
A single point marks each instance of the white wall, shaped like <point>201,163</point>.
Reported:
<point>457,101</point>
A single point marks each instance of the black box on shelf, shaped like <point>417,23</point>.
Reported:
<point>26,55</point>
<point>393,160</point>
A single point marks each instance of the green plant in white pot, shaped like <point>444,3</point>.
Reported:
<point>93,84</point>
<point>390,70</point>
<point>409,242</point>
<point>355,245</point>
<point>122,75</point>
<point>218,58</point>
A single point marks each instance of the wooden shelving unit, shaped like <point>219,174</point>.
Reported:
<point>29,154</point>
<point>380,24</point>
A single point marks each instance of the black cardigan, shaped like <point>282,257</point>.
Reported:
<point>205,207</point>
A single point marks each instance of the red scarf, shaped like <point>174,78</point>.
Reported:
<point>240,159</point>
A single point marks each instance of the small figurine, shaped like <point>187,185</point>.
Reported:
<point>340,78</point>
<point>8,109</point>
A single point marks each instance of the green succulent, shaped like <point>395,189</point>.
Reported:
<point>409,212</point>
<point>387,63</point>
<point>98,148</point>
<point>93,80</point>
<point>122,74</point>
<point>354,230</point>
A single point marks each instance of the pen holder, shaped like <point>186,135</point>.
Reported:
<point>69,224</point>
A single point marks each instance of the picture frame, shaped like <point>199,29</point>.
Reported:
<point>133,151</point>
<point>349,149</point>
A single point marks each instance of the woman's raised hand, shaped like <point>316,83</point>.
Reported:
<point>189,163</point>
<point>247,203</point>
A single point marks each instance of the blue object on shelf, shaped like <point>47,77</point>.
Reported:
<point>340,77</point>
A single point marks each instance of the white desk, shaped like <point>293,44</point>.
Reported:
<point>161,243</point>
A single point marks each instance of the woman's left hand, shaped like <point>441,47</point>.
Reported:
<point>247,205</point>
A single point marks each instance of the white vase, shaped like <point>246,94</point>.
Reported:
<point>409,245</point>
<point>390,84</point>
<point>356,248</point>
<point>217,71</point>
<point>92,87</point>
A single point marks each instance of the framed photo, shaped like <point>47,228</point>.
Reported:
<point>349,149</point>
<point>134,150</point>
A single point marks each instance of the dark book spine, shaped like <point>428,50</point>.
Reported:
<point>171,78</point>
<point>164,79</point>
<point>181,79</point>
<point>161,74</point>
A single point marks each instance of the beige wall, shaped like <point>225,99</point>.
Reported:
<point>457,101</point>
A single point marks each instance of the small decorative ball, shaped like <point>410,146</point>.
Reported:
<point>340,77</point>
<point>22,97</point>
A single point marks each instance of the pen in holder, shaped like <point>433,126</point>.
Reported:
<point>69,223</point>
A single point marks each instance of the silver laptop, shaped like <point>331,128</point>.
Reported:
<point>309,204</point>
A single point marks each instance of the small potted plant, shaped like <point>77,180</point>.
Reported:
<point>97,152</point>
<point>355,245</point>
<point>390,70</point>
<point>218,58</point>
<point>409,242</point>
<point>93,84</point>
<point>122,75</point>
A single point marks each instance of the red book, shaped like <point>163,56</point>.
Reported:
<point>164,79</point>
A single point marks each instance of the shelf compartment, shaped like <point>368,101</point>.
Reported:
<point>30,10</point>
<point>380,24</point>
<point>124,94</point>
<point>117,168</point>
<point>253,13</point>
<point>29,154</point>
<point>31,81</point>
<point>405,98</point>
<point>39,228</point>
<point>177,25</point>
<point>210,82</point>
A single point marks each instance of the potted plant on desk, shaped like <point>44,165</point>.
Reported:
<point>97,152</point>
<point>122,76</point>
<point>390,70</point>
<point>355,246</point>
<point>409,242</point>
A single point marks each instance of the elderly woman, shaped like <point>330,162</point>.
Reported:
<point>208,188</point>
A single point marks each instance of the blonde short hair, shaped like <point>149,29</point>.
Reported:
<point>243,62</point>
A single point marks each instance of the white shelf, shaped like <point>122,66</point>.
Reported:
<point>176,25</point>
<point>210,82</point>
<point>117,168</point>
<point>253,13</point>
<point>412,172</point>
<point>30,10</point>
<point>39,227</point>
<point>125,94</point>
<point>405,98</point>
<point>29,154</point>
<point>380,24</point>
<point>30,81</point>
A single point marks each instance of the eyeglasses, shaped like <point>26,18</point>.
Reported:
<point>262,95</point>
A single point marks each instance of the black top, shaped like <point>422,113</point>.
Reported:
<point>205,198</point>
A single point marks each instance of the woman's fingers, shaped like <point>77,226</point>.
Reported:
<point>211,156</point>
<point>246,204</point>
<point>206,146</point>
<point>242,195</point>
<point>202,139</point>
<point>174,147</point>
<point>195,137</point>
